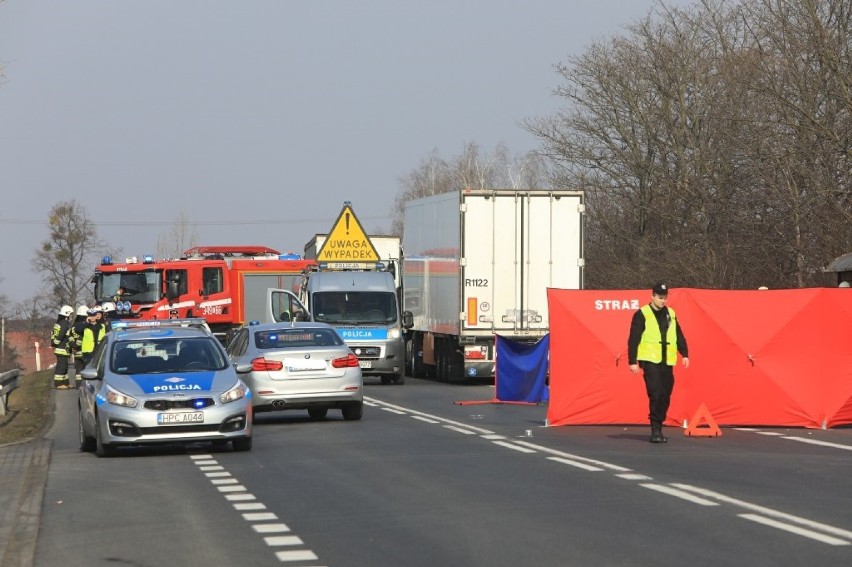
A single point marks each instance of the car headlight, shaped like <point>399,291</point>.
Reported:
<point>238,392</point>
<point>394,333</point>
<point>116,398</point>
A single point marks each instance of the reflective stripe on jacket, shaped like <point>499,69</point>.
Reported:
<point>59,338</point>
<point>651,343</point>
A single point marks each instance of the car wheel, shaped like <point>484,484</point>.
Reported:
<point>353,412</point>
<point>87,444</point>
<point>102,449</point>
<point>317,413</point>
<point>241,444</point>
<point>399,379</point>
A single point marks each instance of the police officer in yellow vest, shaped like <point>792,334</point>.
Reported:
<point>93,333</point>
<point>656,336</point>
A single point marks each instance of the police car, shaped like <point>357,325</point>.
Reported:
<point>163,381</point>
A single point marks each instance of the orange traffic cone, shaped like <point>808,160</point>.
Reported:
<point>695,428</point>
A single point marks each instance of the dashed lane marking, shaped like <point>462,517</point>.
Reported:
<point>773,518</point>
<point>577,464</point>
<point>794,529</point>
<point>255,513</point>
<point>682,494</point>
<point>513,447</point>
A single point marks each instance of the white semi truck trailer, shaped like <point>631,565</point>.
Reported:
<point>478,264</point>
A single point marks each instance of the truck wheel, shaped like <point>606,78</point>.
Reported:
<point>415,356</point>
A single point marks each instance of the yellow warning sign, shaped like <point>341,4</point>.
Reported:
<point>347,242</point>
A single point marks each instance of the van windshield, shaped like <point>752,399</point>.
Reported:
<point>355,307</point>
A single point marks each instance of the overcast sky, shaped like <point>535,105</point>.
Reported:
<point>259,118</point>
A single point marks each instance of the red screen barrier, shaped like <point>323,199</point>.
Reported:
<point>762,357</point>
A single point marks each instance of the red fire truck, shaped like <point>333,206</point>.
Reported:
<point>226,285</point>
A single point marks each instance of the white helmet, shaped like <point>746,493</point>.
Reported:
<point>66,310</point>
<point>108,306</point>
<point>83,311</point>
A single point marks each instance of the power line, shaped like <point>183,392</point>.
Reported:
<point>328,220</point>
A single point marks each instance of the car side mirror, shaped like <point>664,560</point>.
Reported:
<point>242,367</point>
<point>89,374</point>
<point>407,319</point>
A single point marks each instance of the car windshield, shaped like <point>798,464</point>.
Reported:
<point>353,307</point>
<point>171,355</point>
<point>296,338</point>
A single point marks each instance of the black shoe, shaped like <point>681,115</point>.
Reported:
<point>658,438</point>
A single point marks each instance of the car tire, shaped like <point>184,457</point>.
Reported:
<point>353,412</point>
<point>317,413</point>
<point>102,449</point>
<point>87,444</point>
<point>241,443</point>
<point>399,379</point>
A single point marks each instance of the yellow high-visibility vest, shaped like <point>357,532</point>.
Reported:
<point>651,343</point>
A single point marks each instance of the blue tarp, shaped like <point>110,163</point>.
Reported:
<point>522,370</point>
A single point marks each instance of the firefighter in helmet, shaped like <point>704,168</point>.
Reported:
<point>110,315</point>
<point>76,341</point>
<point>59,340</point>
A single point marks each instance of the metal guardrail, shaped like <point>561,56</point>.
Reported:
<point>8,382</point>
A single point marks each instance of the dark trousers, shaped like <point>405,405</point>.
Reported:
<point>659,383</point>
<point>61,369</point>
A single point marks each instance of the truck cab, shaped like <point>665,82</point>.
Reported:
<point>363,306</point>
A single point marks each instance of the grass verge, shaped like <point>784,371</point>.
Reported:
<point>29,411</point>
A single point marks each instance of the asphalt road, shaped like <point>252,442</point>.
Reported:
<point>423,481</point>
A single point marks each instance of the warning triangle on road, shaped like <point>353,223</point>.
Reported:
<point>347,242</point>
<point>695,427</point>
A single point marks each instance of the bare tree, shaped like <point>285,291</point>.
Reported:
<point>66,258</point>
<point>713,143</point>
<point>182,235</point>
<point>472,169</point>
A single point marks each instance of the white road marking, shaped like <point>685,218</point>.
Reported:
<point>571,457</point>
<point>244,496</point>
<point>513,447</point>
<point>839,532</point>
<point>275,541</point>
<point>820,443</point>
<point>634,476</point>
<point>238,494</point>
<point>794,529</point>
<point>259,516</point>
<point>683,491</point>
<point>460,429</point>
<point>396,411</point>
<point>242,506</point>
<point>426,419</point>
<point>428,415</point>
<point>577,464</point>
<point>306,555</point>
<point>679,493</point>
<point>270,528</point>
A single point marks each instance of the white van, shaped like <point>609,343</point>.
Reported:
<point>364,308</point>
